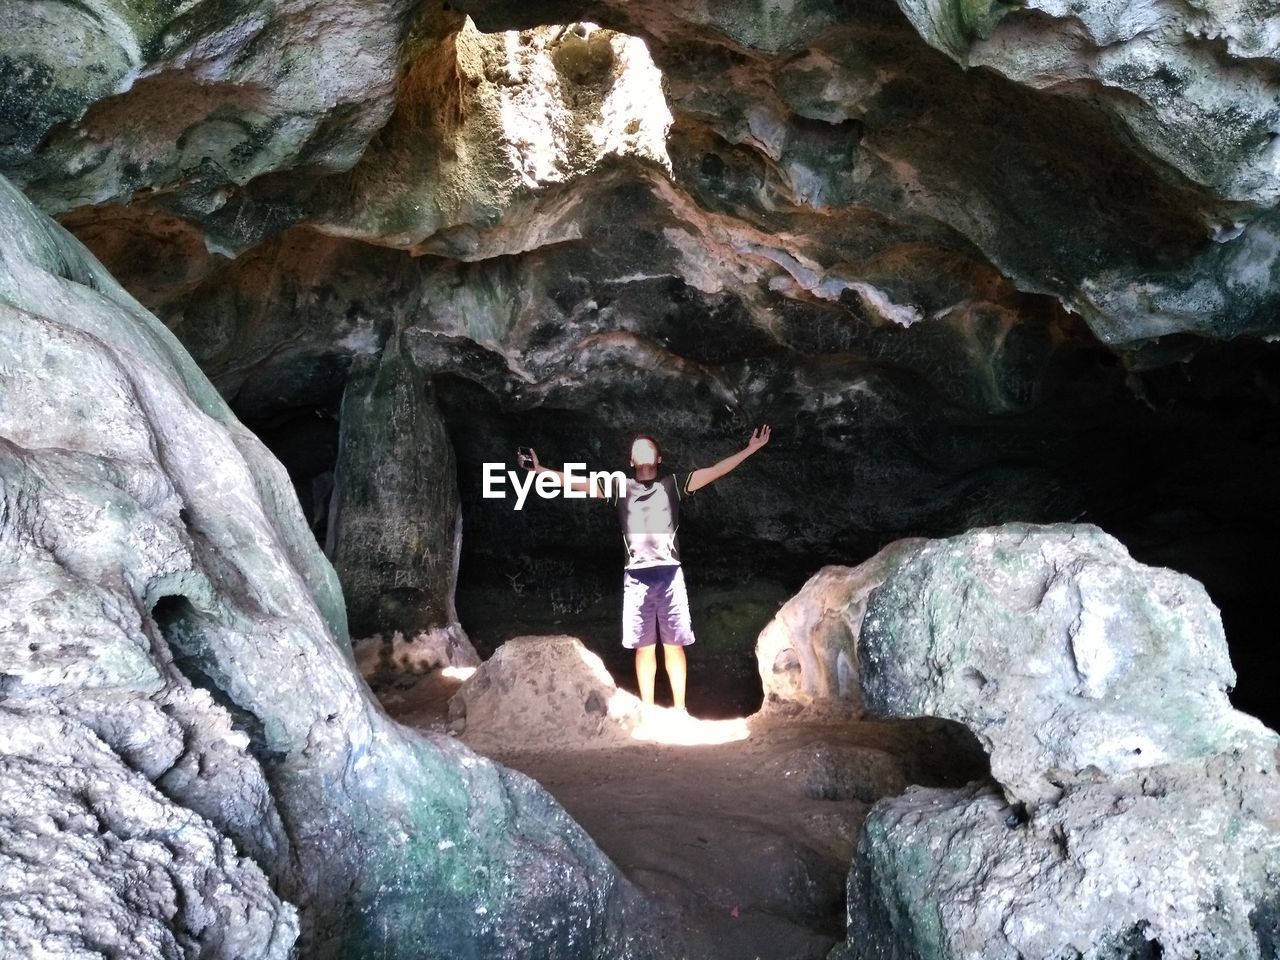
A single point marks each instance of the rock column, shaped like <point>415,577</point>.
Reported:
<point>397,522</point>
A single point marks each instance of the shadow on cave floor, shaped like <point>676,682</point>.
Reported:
<point>744,846</point>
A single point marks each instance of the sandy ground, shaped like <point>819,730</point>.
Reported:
<point>744,845</point>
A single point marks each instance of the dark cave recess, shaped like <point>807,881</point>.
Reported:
<point>1180,462</point>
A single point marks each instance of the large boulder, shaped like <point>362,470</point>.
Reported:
<point>1134,813</point>
<point>807,654</point>
<point>1166,863</point>
<point>537,691</point>
<point>162,590</point>
<point>1063,655</point>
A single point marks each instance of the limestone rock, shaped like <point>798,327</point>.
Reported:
<point>1193,85</point>
<point>1170,862</point>
<point>105,99</point>
<point>484,124</point>
<point>828,155</point>
<point>95,857</point>
<point>808,654</point>
<point>161,587</point>
<point>1063,655</point>
<point>1208,107</point>
<point>538,691</point>
<point>395,525</point>
<point>1134,813</point>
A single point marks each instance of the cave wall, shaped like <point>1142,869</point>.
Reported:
<point>189,749</point>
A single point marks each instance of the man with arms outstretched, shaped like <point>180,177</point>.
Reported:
<point>655,603</point>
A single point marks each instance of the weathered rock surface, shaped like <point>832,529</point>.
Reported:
<point>105,100</point>
<point>1135,814</point>
<point>1176,861</point>
<point>808,653</point>
<point>97,859</point>
<point>395,524</point>
<point>1192,84</point>
<point>161,588</point>
<point>823,155</point>
<point>1065,657</point>
<point>538,691</point>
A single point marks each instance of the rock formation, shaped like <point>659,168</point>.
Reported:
<point>536,691</point>
<point>185,737</point>
<point>1133,813</point>
<point>395,525</point>
<point>1108,666</point>
<point>808,653</point>
<point>96,858</point>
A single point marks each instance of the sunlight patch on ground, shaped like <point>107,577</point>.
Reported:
<point>675,728</point>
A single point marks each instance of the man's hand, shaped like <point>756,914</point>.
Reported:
<point>701,477</point>
<point>527,460</point>
<point>527,457</point>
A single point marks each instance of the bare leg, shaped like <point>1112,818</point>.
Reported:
<point>646,671</point>
<point>677,669</point>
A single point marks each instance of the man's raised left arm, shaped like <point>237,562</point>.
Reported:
<point>704,475</point>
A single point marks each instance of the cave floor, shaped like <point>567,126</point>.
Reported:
<point>743,846</point>
<point>742,862</point>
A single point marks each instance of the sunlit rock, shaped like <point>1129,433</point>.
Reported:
<point>808,653</point>
<point>487,121</point>
<point>1135,813</point>
<point>538,691</point>
<point>1064,656</point>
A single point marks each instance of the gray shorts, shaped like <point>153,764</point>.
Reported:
<point>655,606</point>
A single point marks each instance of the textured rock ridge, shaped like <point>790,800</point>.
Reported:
<point>1171,863</point>
<point>1133,812</point>
<point>95,858</point>
<point>162,590</point>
